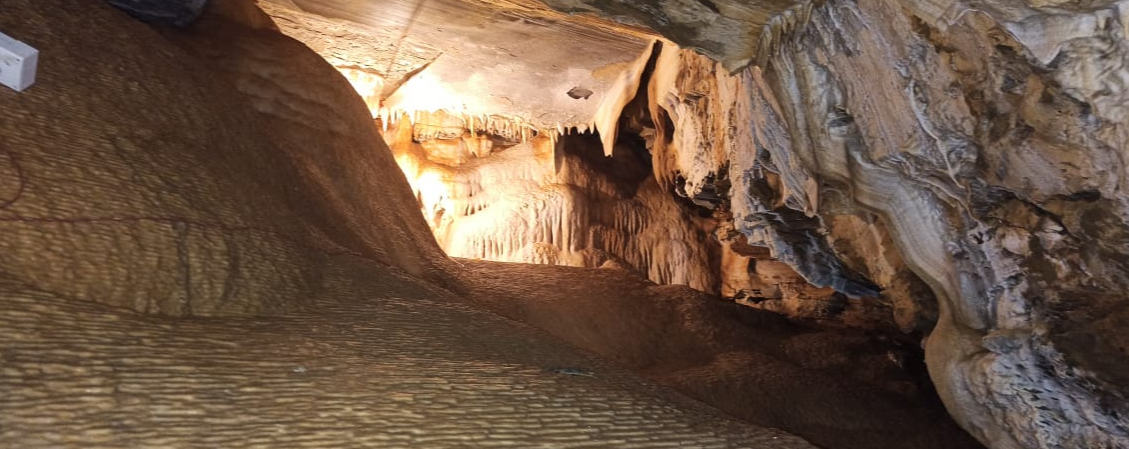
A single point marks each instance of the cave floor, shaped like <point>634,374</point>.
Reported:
<point>380,360</point>
<point>835,387</point>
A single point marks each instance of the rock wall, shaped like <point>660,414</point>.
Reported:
<point>175,196</point>
<point>985,145</point>
<point>977,149</point>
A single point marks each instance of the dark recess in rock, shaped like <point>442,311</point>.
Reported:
<point>165,12</point>
<point>579,93</point>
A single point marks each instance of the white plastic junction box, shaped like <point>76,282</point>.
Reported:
<point>17,63</point>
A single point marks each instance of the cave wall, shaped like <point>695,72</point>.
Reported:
<point>984,145</point>
<point>430,67</point>
<point>175,196</point>
<point>976,149</point>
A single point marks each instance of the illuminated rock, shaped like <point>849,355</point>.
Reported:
<point>503,196</point>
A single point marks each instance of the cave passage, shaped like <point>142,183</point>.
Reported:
<point>495,187</point>
<point>861,224</point>
<point>143,302</point>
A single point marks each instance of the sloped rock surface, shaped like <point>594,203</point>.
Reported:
<point>385,361</point>
<point>138,179</point>
<point>835,388</point>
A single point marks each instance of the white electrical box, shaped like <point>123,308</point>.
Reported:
<point>17,63</point>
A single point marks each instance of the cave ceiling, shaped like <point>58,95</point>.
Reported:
<point>541,65</point>
<point>532,65</point>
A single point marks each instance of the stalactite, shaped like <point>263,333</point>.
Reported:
<point>515,203</point>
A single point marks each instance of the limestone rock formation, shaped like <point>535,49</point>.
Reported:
<point>985,141</point>
<point>722,29</point>
<point>550,201</point>
<point>984,153</point>
<point>144,205</point>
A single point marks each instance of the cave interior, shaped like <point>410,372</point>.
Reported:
<point>832,224</point>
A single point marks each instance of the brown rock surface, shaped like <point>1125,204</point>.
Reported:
<point>382,360</point>
<point>835,388</point>
<point>959,164</point>
<point>985,142</point>
<point>141,180</point>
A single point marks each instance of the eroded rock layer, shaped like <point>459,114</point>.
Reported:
<point>895,144</point>
<point>839,389</point>
<point>385,361</point>
<point>555,201</point>
<point>143,198</point>
<point>985,148</point>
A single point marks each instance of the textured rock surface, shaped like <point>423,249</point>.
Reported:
<point>385,361</point>
<point>837,389</point>
<point>985,142</point>
<point>140,199</point>
<point>723,29</point>
<point>548,201</point>
<point>985,148</point>
<point>468,58</point>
